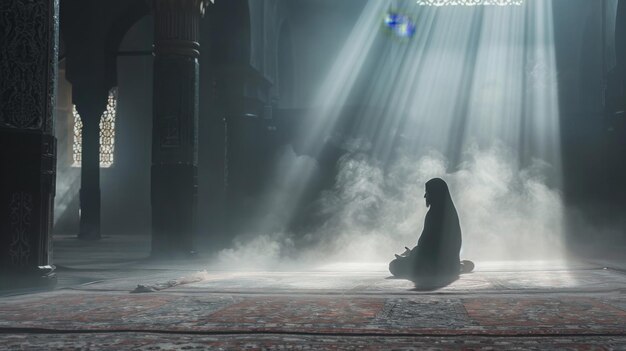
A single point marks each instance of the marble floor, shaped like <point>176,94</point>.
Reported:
<point>110,297</point>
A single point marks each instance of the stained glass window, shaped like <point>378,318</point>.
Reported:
<point>469,2</point>
<point>107,133</point>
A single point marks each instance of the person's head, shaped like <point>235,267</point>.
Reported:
<point>436,192</point>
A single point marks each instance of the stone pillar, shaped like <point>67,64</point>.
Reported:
<point>28,62</point>
<point>175,125</point>
<point>618,142</point>
<point>620,46</point>
<point>90,104</point>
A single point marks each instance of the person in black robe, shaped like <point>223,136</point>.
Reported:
<point>436,256</point>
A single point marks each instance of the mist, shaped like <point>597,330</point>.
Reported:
<point>461,101</point>
<point>506,213</point>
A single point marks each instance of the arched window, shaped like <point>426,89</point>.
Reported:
<point>107,133</point>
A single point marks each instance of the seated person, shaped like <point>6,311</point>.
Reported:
<point>436,256</point>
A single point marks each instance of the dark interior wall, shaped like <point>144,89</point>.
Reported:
<point>579,75</point>
<point>318,29</point>
<point>585,53</point>
<point>125,185</point>
<point>616,117</point>
<point>285,72</point>
<point>68,177</point>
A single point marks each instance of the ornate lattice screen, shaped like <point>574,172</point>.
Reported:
<point>469,2</point>
<point>107,133</point>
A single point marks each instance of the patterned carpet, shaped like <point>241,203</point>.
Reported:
<point>353,313</point>
<point>157,342</point>
<point>419,315</point>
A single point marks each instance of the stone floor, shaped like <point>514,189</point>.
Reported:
<point>575,305</point>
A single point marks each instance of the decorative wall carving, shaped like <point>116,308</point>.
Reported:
<point>28,60</point>
<point>177,26</point>
<point>20,217</point>
<point>28,49</point>
<point>53,55</point>
<point>175,102</point>
<point>170,132</point>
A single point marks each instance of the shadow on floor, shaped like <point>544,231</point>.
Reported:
<point>430,284</point>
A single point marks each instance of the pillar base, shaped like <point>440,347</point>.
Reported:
<point>172,255</point>
<point>26,200</point>
<point>174,198</point>
<point>89,236</point>
<point>42,277</point>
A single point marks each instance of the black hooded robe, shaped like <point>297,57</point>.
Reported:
<point>437,252</point>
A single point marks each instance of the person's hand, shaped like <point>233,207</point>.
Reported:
<point>406,253</point>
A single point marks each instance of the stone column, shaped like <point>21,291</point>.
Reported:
<point>28,61</point>
<point>619,118</point>
<point>90,104</point>
<point>175,125</point>
<point>620,35</point>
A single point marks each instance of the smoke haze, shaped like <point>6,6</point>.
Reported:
<point>370,213</point>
